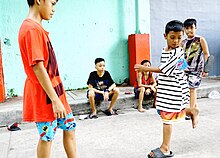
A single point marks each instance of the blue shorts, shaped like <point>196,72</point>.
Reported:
<point>47,130</point>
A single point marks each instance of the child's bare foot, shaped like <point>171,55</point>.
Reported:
<point>194,116</point>
<point>141,110</point>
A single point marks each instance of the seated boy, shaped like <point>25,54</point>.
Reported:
<point>101,87</point>
<point>145,86</point>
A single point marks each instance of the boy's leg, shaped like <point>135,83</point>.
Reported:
<point>69,143</point>
<point>193,98</point>
<point>91,96</point>
<point>68,125</point>
<point>167,131</point>
<point>114,98</point>
<point>165,146</point>
<point>46,131</point>
<point>140,100</point>
<point>155,97</point>
<point>43,149</point>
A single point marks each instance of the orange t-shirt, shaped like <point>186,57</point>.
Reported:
<point>35,46</point>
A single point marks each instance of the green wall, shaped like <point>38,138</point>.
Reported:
<point>80,31</point>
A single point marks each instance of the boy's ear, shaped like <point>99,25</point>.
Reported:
<point>38,2</point>
<point>165,36</point>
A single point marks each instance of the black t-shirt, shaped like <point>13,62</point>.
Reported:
<point>100,83</point>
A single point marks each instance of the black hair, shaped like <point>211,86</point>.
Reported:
<point>97,60</point>
<point>145,61</point>
<point>189,22</point>
<point>31,2</point>
<point>174,25</point>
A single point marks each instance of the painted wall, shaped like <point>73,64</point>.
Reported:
<point>80,31</point>
<point>207,15</point>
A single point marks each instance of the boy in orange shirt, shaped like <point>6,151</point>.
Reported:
<point>44,96</point>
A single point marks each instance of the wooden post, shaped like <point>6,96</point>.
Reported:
<point>2,86</point>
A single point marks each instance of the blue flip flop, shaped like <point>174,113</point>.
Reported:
<point>158,154</point>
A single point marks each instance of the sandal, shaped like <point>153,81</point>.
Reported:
<point>158,154</point>
<point>13,127</point>
<point>91,116</point>
<point>110,113</point>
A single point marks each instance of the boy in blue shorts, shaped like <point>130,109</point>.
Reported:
<point>44,98</point>
<point>101,87</point>
<point>172,91</point>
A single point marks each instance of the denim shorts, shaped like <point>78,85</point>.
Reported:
<point>47,130</point>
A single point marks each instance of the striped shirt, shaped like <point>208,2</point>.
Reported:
<point>173,91</point>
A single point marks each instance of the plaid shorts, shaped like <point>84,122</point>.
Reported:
<point>47,130</point>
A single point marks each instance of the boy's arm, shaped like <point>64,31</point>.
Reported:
<point>43,78</point>
<point>141,68</point>
<point>139,79</point>
<point>153,81</point>
<point>112,87</point>
<point>90,87</point>
<point>206,53</point>
<point>205,48</point>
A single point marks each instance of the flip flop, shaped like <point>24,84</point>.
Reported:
<point>13,127</point>
<point>158,154</point>
<point>91,116</point>
<point>108,113</point>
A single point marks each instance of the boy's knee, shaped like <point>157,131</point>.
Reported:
<point>91,93</point>
<point>69,134</point>
<point>142,89</point>
<point>116,90</point>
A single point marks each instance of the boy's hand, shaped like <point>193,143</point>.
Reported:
<point>138,67</point>
<point>58,109</point>
<point>106,96</point>
<point>205,74</point>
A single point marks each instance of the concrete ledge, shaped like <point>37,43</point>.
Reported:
<point>81,105</point>
<point>11,110</point>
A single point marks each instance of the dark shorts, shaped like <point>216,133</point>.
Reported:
<point>99,97</point>
<point>136,93</point>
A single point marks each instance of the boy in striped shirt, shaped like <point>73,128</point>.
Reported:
<point>173,91</point>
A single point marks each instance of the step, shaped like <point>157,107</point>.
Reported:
<point>11,110</point>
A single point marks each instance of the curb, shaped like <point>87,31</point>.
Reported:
<point>11,111</point>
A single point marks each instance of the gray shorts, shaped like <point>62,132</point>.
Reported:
<point>194,79</point>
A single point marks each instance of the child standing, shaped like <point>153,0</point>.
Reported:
<point>44,96</point>
<point>101,87</point>
<point>172,90</point>
<point>195,50</point>
<point>144,86</point>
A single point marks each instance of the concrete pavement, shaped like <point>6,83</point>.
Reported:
<point>128,135</point>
